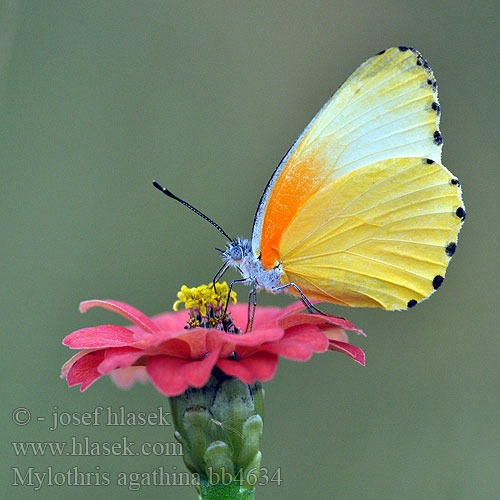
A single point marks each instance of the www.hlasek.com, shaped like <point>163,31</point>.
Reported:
<point>133,481</point>
<point>87,447</point>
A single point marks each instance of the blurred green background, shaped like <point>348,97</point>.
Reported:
<point>99,98</point>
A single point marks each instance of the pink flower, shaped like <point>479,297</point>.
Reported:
<point>176,357</point>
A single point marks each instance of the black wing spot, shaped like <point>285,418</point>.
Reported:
<point>455,182</point>
<point>438,138</point>
<point>450,249</point>
<point>402,48</point>
<point>437,281</point>
<point>429,161</point>
<point>412,303</point>
<point>421,61</point>
<point>460,213</point>
<point>432,82</point>
<point>435,106</point>
<point>380,53</point>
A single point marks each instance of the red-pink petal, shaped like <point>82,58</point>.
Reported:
<point>226,350</point>
<point>171,320</point>
<point>172,376</point>
<point>255,337</point>
<point>317,319</point>
<point>197,342</point>
<point>261,366</point>
<point>309,334</point>
<point>119,357</point>
<point>295,306</point>
<point>165,374</point>
<point>198,372</point>
<point>236,369</point>
<point>71,361</point>
<point>99,336</point>
<point>263,315</point>
<point>125,378</point>
<point>345,325</point>
<point>183,343</point>
<point>334,333</point>
<point>243,351</point>
<point>84,371</point>
<point>127,311</point>
<point>352,351</point>
<point>165,335</point>
<point>299,344</point>
<point>289,349</point>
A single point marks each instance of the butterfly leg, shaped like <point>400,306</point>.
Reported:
<point>244,280</point>
<point>219,274</point>
<point>252,294</point>
<point>311,308</point>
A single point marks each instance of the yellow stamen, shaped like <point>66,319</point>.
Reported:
<point>198,298</point>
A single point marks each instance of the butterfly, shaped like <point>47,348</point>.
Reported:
<point>360,211</point>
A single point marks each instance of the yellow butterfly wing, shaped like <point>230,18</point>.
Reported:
<point>380,236</point>
<point>370,145</point>
<point>387,108</point>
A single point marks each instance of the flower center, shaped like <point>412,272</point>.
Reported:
<point>206,306</point>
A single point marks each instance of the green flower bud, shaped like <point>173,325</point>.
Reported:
<point>219,427</point>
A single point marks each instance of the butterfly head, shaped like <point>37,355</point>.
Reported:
<point>237,252</point>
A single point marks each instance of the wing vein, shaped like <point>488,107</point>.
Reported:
<point>383,104</point>
<point>355,101</point>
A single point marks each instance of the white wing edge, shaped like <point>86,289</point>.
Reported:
<point>261,208</point>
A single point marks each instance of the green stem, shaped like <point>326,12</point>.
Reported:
<point>221,491</point>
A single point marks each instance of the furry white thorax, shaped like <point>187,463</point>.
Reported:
<point>239,254</point>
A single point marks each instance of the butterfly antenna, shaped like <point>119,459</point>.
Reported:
<point>195,210</point>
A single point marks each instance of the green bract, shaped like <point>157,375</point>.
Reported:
<point>219,427</point>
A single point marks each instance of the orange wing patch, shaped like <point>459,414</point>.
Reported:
<point>304,178</point>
